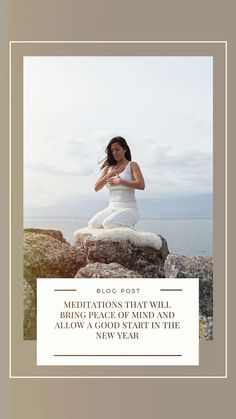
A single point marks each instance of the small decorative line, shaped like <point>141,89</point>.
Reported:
<point>65,290</point>
<point>170,289</point>
<point>112,355</point>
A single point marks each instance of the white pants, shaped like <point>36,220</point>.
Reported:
<point>111,218</point>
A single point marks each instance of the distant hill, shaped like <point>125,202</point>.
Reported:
<point>196,206</point>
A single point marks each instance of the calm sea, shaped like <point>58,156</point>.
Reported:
<point>190,237</point>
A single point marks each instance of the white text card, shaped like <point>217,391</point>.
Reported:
<point>117,321</point>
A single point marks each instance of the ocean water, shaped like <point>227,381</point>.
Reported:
<point>189,237</point>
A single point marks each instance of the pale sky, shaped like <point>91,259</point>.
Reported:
<point>73,106</point>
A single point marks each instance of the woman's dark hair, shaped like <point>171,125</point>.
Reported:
<point>109,160</point>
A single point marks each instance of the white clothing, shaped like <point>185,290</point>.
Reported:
<point>110,218</point>
<point>122,210</point>
<point>122,196</point>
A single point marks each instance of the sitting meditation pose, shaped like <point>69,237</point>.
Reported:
<point>121,176</point>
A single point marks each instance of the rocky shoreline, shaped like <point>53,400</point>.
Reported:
<point>48,255</point>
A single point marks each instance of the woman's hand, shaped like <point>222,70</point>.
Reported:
<point>107,175</point>
<point>136,183</point>
<point>115,180</point>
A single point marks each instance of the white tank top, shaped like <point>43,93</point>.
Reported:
<point>122,196</point>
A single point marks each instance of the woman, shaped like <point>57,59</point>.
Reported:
<point>122,177</point>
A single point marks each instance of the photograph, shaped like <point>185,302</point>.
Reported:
<point>118,172</point>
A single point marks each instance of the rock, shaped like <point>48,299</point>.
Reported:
<point>142,252</point>
<point>148,270</point>
<point>29,312</point>
<point>205,328</point>
<point>47,257</point>
<point>103,270</point>
<point>53,233</point>
<point>178,266</point>
<point>205,298</point>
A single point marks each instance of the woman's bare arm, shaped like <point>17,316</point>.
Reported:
<point>101,182</point>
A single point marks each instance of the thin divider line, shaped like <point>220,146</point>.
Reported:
<point>65,290</point>
<point>170,289</point>
<point>10,210</point>
<point>226,210</point>
<point>115,355</point>
<point>119,42</point>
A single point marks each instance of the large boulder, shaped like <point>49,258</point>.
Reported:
<point>47,257</point>
<point>53,233</point>
<point>102,270</point>
<point>142,252</point>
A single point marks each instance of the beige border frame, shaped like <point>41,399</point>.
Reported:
<point>12,133</point>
